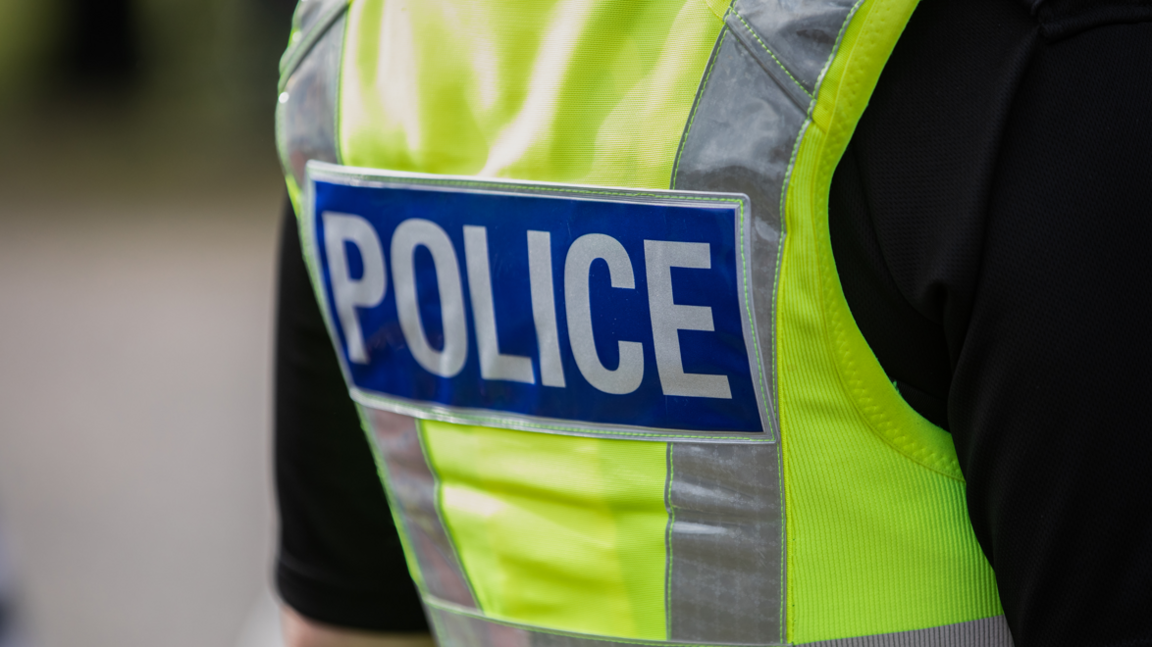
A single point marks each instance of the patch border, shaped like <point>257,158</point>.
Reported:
<point>377,178</point>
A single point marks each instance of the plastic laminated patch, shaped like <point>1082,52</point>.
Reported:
<point>543,307</point>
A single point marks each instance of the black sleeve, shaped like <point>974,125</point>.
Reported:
<point>1051,384</point>
<point>340,561</point>
<point>992,223</point>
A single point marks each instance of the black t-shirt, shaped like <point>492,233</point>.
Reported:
<point>992,225</point>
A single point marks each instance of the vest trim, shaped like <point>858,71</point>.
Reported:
<point>987,632</point>
<point>459,627</point>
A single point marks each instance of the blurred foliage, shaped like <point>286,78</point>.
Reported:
<point>136,97</point>
<point>27,36</point>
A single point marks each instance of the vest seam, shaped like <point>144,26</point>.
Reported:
<point>336,109</point>
<point>770,53</point>
<point>845,363</point>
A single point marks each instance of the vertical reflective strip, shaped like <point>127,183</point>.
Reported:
<point>309,22</point>
<point>986,632</point>
<point>413,488</point>
<point>725,544</point>
<point>306,112</point>
<point>458,630</point>
<point>740,139</point>
<point>726,573</point>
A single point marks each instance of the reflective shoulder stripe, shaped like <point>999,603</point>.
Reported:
<point>460,628</point>
<point>306,109</point>
<point>309,23</point>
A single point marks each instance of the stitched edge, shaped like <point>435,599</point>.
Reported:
<point>835,48</point>
<point>847,372</point>
<point>668,543</point>
<point>369,399</point>
<point>295,53</point>
<point>438,505</point>
<point>770,53</point>
<point>696,102</point>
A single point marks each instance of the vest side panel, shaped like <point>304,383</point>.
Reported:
<point>306,109</point>
<point>879,539</point>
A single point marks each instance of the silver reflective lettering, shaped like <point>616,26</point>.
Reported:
<point>494,365</point>
<point>544,307</point>
<point>349,294</point>
<point>668,319</point>
<point>413,233</point>
<point>626,377</point>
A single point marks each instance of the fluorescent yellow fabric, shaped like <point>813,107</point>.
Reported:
<point>465,87</point>
<point>878,534</point>
<point>557,531</point>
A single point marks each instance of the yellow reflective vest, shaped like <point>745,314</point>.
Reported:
<point>841,522</point>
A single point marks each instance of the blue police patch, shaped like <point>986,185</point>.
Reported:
<point>547,307</point>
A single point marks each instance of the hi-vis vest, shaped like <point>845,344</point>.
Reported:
<point>575,262</point>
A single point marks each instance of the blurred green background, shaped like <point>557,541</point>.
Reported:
<point>140,199</point>
<point>116,84</point>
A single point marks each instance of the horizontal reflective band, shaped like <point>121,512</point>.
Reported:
<point>986,632</point>
<point>306,110</point>
<point>458,628</point>
<point>546,307</point>
<point>310,22</point>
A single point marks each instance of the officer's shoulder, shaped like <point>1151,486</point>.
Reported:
<point>1059,19</point>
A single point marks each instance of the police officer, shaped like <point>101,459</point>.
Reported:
<point>656,335</point>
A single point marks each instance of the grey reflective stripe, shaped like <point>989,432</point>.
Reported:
<point>413,491</point>
<point>788,84</point>
<point>740,139</point>
<point>310,21</point>
<point>725,544</point>
<point>306,113</point>
<point>457,628</point>
<point>986,632</point>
